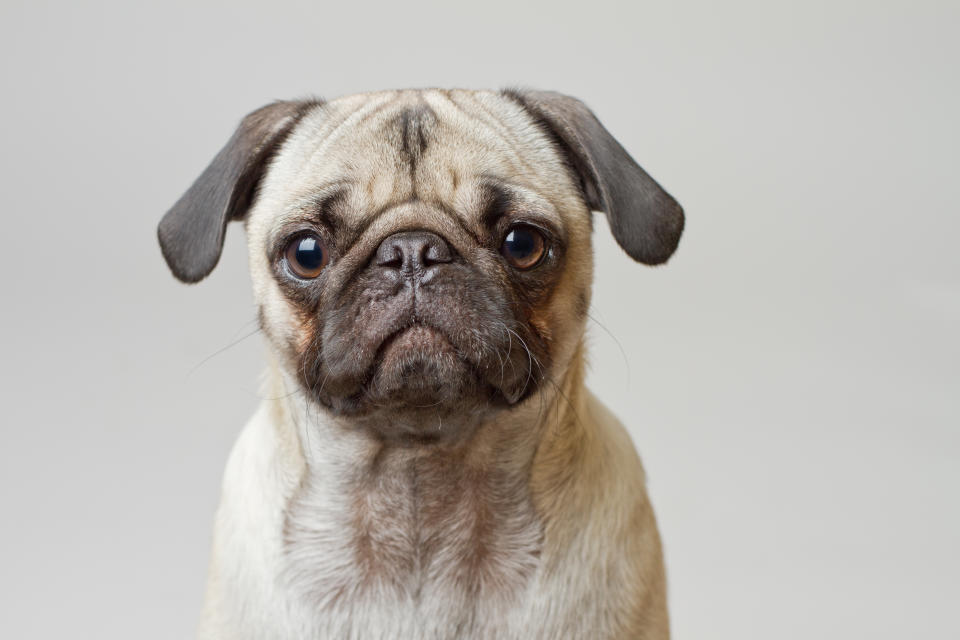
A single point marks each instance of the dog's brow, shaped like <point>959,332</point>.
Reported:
<point>322,205</point>
<point>497,200</point>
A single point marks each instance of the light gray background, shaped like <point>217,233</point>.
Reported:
<point>791,377</point>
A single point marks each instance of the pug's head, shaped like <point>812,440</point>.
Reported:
<point>421,258</point>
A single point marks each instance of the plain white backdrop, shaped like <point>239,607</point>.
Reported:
<point>790,378</point>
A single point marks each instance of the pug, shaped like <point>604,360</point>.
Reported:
<point>426,462</point>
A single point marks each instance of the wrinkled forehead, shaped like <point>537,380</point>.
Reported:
<point>381,150</point>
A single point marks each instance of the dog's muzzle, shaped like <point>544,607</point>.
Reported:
<point>420,330</point>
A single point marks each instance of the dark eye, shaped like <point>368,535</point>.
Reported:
<point>523,247</point>
<point>307,256</point>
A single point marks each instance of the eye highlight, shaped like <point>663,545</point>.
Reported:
<point>307,255</point>
<point>524,247</point>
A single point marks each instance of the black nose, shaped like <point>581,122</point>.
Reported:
<point>413,252</point>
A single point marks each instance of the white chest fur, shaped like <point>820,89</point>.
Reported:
<point>413,550</point>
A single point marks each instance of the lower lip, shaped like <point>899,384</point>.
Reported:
<point>419,339</point>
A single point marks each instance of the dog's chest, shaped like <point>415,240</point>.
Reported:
<point>418,550</point>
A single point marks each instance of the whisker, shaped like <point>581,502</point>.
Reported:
<point>530,360</point>
<point>219,351</point>
<point>284,396</point>
<point>623,353</point>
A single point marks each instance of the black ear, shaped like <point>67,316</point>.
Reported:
<point>191,233</point>
<point>646,221</point>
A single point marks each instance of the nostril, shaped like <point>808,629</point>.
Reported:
<point>437,252</point>
<point>390,255</point>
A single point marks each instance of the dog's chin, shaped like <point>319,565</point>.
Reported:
<point>420,388</point>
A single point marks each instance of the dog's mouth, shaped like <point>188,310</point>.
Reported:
<point>417,341</point>
<point>447,352</point>
<point>419,372</point>
<point>418,367</point>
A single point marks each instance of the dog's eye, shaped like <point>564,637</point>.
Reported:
<point>307,256</point>
<point>523,247</point>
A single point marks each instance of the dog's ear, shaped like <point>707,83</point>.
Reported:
<point>191,233</point>
<point>646,221</point>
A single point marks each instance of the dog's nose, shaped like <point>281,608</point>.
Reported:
<point>413,252</point>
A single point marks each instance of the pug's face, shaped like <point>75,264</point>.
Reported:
<point>422,259</point>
